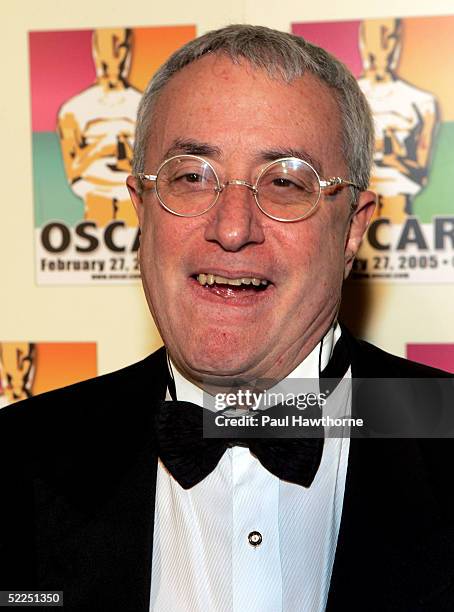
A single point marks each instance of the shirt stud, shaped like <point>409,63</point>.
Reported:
<point>255,538</point>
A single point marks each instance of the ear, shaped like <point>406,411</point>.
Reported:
<point>135,193</point>
<point>359,222</point>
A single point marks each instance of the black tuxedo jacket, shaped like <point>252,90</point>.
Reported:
<point>78,477</point>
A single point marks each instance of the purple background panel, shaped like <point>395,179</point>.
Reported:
<point>436,355</point>
<point>338,37</point>
<point>61,65</point>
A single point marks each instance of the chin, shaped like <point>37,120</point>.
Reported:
<point>214,363</point>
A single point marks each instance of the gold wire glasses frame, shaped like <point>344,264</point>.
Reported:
<point>286,184</point>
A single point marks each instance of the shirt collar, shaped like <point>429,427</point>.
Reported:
<point>308,368</point>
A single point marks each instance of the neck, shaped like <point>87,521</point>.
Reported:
<point>309,368</point>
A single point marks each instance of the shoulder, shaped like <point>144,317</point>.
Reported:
<point>398,398</point>
<point>370,361</point>
<point>110,413</point>
<point>147,375</point>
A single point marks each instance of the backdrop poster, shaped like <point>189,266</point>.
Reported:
<point>29,368</point>
<point>406,69</point>
<point>437,355</point>
<point>85,89</point>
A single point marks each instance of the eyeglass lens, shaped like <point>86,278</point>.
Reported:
<point>286,189</point>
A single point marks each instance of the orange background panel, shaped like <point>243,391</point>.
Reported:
<point>427,58</point>
<point>63,363</point>
<point>152,46</point>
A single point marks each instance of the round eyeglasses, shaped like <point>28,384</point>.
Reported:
<point>287,189</point>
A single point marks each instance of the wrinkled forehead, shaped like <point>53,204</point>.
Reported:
<point>241,107</point>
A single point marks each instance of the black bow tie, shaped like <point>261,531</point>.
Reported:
<point>190,457</point>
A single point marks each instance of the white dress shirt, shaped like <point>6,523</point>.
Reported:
<point>202,556</point>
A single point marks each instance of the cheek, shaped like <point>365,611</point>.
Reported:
<point>155,263</point>
<point>316,262</point>
<point>318,247</point>
<point>333,232</point>
<point>159,238</point>
<point>332,257</point>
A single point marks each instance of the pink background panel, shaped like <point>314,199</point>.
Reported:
<point>338,37</point>
<point>436,355</point>
<point>61,65</point>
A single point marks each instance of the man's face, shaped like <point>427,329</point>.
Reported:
<point>238,117</point>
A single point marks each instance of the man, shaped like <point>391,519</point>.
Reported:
<point>405,120</point>
<point>96,129</point>
<point>250,183</point>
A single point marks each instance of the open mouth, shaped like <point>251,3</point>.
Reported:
<point>241,286</point>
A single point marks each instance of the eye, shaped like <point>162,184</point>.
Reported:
<point>283,182</point>
<point>188,177</point>
<point>286,182</point>
<point>193,177</point>
<point>185,181</point>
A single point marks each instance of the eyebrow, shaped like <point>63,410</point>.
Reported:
<point>192,147</point>
<point>269,155</point>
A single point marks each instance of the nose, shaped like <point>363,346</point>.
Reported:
<point>235,219</point>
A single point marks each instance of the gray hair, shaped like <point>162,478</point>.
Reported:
<point>283,56</point>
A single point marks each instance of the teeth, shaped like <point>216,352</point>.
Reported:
<point>210,279</point>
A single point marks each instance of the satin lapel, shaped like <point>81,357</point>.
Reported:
<point>388,533</point>
<point>96,527</point>
<point>357,534</point>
